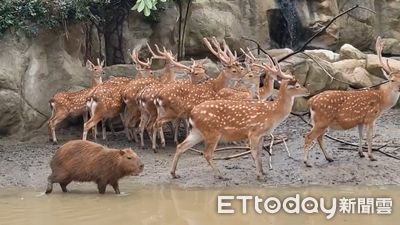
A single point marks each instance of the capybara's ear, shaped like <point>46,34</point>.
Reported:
<point>121,152</point>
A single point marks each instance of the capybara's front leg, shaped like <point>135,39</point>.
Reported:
<point>49,185</point>
<point>101,186</point>
<point>116,187</point>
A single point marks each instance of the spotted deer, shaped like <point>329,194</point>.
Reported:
<point>64,104</point>
<point>130,94</point>
<point>344,110</point>
<point>148,110</point>
<point>105,103</point>
<point>143,77</point>
<point>237,120</point>
<point>249,86</point>
<point>176,101</point>
<point>271,72</point>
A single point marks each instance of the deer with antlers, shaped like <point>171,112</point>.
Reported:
<point>144,77</point>
<point>105,103</point>
<point>64,104</point>
<point>146,97</point>
<point>347,109</point>
<point>176,102</point>
<point>130,95</point>
<point>237,120</point>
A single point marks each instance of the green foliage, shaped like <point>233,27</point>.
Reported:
<point>30,16</point>
<point>146,6</point>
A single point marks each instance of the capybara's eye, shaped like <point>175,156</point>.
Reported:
<point>129,157</point>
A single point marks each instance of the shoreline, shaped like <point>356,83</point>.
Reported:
<point>26,164</point>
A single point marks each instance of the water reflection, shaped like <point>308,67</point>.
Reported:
<point>172,205</point>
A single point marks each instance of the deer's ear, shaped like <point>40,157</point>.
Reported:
<point>102,63</point>
<point>89,65</point>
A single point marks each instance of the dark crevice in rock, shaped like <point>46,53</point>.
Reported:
<point>286,29</point>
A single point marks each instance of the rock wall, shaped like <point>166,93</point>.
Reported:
<point>32,70</point>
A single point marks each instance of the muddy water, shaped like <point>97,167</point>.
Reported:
<point>172,205</point>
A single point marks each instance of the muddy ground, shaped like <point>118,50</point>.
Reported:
<point>26,164</point>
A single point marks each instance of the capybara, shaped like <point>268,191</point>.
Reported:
<point>80,160</point>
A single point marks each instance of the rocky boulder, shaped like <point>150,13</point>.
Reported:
<point>373,65</point>
<point>226,19</point>
<point>391,46</point>
<point>326,55</point>
<point>32,70</point>
<point>348,51</point>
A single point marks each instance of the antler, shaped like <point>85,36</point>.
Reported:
<point>222,55</point>
<point>280,73</point>
<point>250,58</point>
<point>190,69</point>
<point>135,58</point>
<point>378,49</point>
<point>232,56</point>
<point>154,55</point>
<point>274,68</point>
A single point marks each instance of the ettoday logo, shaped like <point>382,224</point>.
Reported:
<point>308,205</point>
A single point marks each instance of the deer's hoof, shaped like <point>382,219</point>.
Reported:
<point>222,178</point>
<point>361,154</point>
<point>174,176</point>
<point>329,159</point>
<point>307,164</point>
<point>260,177</point>
<point>371,158</point>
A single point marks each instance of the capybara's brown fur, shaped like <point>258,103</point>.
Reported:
<point>87,161</point>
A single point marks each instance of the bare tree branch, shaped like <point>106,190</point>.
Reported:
<point>323,30</point>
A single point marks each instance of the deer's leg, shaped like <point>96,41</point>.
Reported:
<point>103,128</point>
<point>144,119</point>
<point>320,140</point>
<point>360,135</point>
<point>110,124</point>
<point>255,144</point>
<point>153,132</point>
<point>286,148</point>
<point>175,125</point>
<point>190,141</point>
<point>210,145</point>
<point>92,122</point>
<point>85,119</point>
<point>94,132</point>
<point>270,151</point>
<point>153,119</point>
<point>133,128</point>
<point>157,125</point>
<point>309,139</point>
<point>370,132</point>
<point>187,126</point>
<point>49,125</point>
<point>85,116</point>
<point>126,122</point>
<point>162,138</point>
<point>58,117</point>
